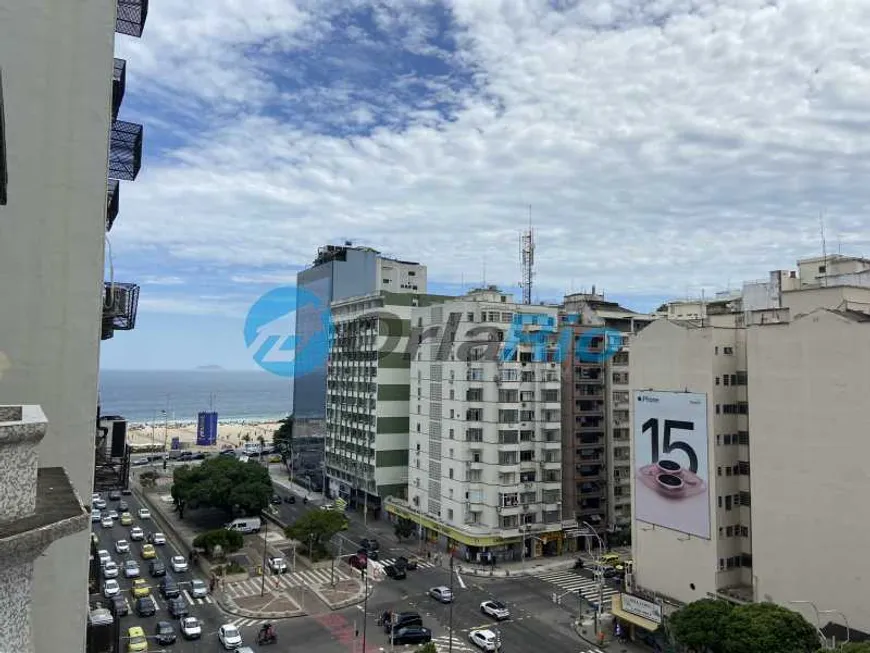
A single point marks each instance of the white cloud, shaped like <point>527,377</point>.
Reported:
<point>661,145</point>
<point>161,281</point>
<point>195,305</point>
<point>270,279</point>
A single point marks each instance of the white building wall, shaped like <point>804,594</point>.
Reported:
<point>57,60</point>
<point>808,389</point>
<point>401,276</point>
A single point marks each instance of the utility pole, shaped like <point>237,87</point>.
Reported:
<point>365,608</point>
<point>450,618</point>
<point>332,571</point>
<point>265,540</point>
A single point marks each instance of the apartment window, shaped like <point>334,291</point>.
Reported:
<point>744,531</point>
<point>474,435</point>
<point>718,471</point>
<point>450,472</point>
<point>450,514</point>
<point>717,380</point>
<point>728,502</point>
<point>451,453</point>
<point>509,500</point>
<point>474,414</point>
<point>729,531</point>
<point>474,394</point>
<point>528,377</point>
<point>743,437</point>
<point>725,380</point>
<point>452,414</point>
<point>508,396</point>
<point>727,438</point>
<point>452,393</point>
<point>475,374</point>
<point>715,351</point>
<point>721,564</point>
<point>527,456</point>
<point>727,471</point>
<point>418,427</point>
<point>474,475</point>
<point>741,378</point>
<point>451,434</point>
<point>469,317</point>
<point>527,416</point>
<point>718,440</point>
<point>550,395</point>
<point>507,457</point>
<point>508,437</point>
<point>720,501</point>
<point>527,477</point>
<point>508,416</point>
<point>527,436</point>
<point>718,409</point>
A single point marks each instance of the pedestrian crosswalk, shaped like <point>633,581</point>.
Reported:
<point>591,650</point>
<point>392,561</point>
<point>198,600</point>
<point>308,578</point>
<point>460,645</point>
<point>247,623</point>
<point>160,602</point>
<point>569,581</point>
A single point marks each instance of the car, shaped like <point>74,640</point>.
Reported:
<point>145,607</point>
<point>178,564</point>
<point>126,519</point>
<point>99,503</point>
<point>140,588</point>
<point>164,633</point>
<point>111,588</point>
<point>126,492</point>
<point>122,506</point>
<point>198,589</point>
<point>158,539</point>
<point>144,513</point>
<point>370,544</point>
<point>114,514</point>
<point>495,609</point>
<point>157,568</point>
<point>178,607</point>
<point>136,640</point>
<point>276,500</point>
<point>96,516</point>
<point>358,561</point>
<point>290,498</point>
<point>119,606</point>
<point>191,628</point>
<point>104,556</point>
<point>137,534</point>
<point>405,563</point>
<point>122,546</point>
<point>278,565</point>
<point>441,594</point>
<point>131,569</point>
<point>107,522</point>
<point>169,588</point>
<point>411,635</point>
<point>110,569</point>
<point>115,495</point>
<point>484,639</point>
<point>403,620</point>
<point>395,572</point>
<point>229,636</point>
<point>148,552</point>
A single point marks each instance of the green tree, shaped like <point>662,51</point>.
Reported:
<point>283,438</point>
<point>404,528</point>
<point>428,647</point>
<point>700,626</point>
<point>854,647</point>
<point>223,482</point>
<point>315,528</point>
<point>768,628</point>
<point>229,541</point>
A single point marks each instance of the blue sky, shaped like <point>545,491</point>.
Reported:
<point>667,149</point>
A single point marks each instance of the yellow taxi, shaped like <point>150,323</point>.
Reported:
<point>136,640</point>
<point>141,588</point>
<point>610,559</point>
<point>126,519</point>
<point>148,552</point>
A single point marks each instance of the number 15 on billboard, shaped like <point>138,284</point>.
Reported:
<point>671,461</point>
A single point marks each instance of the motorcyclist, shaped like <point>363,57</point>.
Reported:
<point>267,632</point>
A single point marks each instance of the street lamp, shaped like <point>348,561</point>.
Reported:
<point>265,523</point>
<point>599,573</point>
<point>818,619</point>
<point>450,617</point>
<point>365,606</point>
<point>845,621</point>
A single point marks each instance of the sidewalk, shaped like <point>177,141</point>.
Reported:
<point>246,595</point>
<point>585,631</point>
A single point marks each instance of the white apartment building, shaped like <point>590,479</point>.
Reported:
<point>368,391</point>
<point>485,470</point>
<point>783,369</point>
<point>60,141</point>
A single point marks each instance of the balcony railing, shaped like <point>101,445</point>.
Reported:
<point>125,150</point>
<point>119,85</point>
<point>112,203</point>
<point>120,305</point>
<point>131,17</point>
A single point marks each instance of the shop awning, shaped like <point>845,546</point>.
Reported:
<point>640,622</point>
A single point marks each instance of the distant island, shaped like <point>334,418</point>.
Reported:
<point>210,368</point>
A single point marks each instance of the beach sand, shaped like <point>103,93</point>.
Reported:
<point>229,433</point>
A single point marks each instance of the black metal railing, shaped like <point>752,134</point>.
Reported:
<point>120,306</point>
<point>131,17</point>
<point>125,150</point>
<point>112,203</point>
<point>119,85</point>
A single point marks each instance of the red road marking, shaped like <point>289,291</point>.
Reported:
<point>343,631</point>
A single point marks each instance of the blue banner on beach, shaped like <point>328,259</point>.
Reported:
<point>206,428</point>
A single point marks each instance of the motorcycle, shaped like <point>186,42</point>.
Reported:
<point>266,636</point>
<point>579,564</point>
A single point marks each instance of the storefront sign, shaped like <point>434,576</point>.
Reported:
<point>641,608</point>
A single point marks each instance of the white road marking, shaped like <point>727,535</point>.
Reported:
<point>459,578</point>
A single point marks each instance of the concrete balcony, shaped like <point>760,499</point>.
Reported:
<point>37,507</point>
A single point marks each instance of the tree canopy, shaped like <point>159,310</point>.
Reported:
<point>404,528</point>
<point>428,647</point>
<point>283,437</point>
<point>315,528</point>
<point>223,482</point>
<point>700,626</point>
<point>853,647</point>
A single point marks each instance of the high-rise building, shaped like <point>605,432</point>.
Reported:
<point>368,389</point>
<point>485,469</point>
<point>748,455</point>
<point>596,478</point>
<point>63,149</point>
<point>338,272</point>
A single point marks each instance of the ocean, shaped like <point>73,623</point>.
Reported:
<point>142,396</point>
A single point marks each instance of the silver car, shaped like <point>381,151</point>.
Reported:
<point>442,594</point>
<point>131,569</point>
<point>198,589</point>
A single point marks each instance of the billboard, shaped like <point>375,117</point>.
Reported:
<point>671,462</point>
<point>206,428</point>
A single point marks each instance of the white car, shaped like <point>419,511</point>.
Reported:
<point>198,589</point>
<point>131,569</point>
<point>230,636</point>
<point>484,639</point>
<point>96,516</point>
<point>441,594</point>
<point>144,513</point>
<point>99,503</point>
<point>104,556</point>
<point>158,539</point>
<point>108,522</point>
<point>137,534</point>
<point>178,564</point>
<point>278,565</point>
<point>110,569</point>
<point>495,609</point>
<point>122,546</point>
<point>111,588</point>
<point>191,628</point>
<point>113,514</point>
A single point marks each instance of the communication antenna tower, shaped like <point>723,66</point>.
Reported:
<point>527,256</point>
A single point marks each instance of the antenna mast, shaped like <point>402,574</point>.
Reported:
<point>824,249</point>
<point>527,253</point>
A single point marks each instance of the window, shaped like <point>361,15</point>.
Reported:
<point>474,435</point>
<point>717,380</point>
<point>727,471</point>
<point>728,502</point>
<point>451,434</point>
<point>718,409</point>
<point>728,351</point>
<point>507,416</point>
<point>718,471</point>
<point>474,394</point>
<point>729,531</point>
<point>450,472</point>
<point>727,438</point>
<point>450,514</point>
<point>452,392</point>
<point>725,380</point>
<point>474,414</point>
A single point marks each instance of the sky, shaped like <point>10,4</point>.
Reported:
<point>663,148</point>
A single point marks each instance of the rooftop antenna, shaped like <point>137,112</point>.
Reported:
<point>484,271</point>
<point>824,249</point>
<point>527,254</point>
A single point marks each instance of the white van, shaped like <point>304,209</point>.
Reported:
<point>245,525</point>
